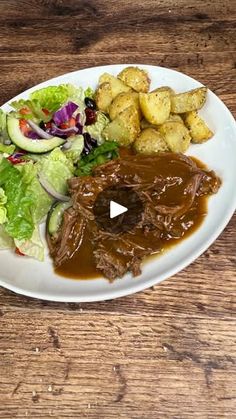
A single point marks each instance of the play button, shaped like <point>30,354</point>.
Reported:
<point>118,209</point>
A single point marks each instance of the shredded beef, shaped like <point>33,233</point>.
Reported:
<point>168,184</point>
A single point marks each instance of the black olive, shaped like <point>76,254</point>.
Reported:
<point>90,103</point>
<point>42,125</point>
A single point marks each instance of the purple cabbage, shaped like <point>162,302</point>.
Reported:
<point>79,125</point>
<point>33,135</point>
<point>65,113</point>
<point>59,132</point>
<point>89,143</point>
<point>17,155</point>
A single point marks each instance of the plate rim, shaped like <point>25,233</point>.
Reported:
<point>134,288</point>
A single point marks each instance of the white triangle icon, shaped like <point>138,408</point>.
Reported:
<point>116,209</point>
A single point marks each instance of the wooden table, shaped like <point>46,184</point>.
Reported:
<point>168,352</point>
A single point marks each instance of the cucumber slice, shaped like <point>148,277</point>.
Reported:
<point>25,143</point>
<point>55,216</point>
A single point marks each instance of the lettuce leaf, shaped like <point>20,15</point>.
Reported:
<point>23,201</point>
<point>3,210</point>
<point>56,169</point>
<point>36,113</point>
<point>95,130</point>
<point>6,242</point>
<point>3,127</point>
<point>89,92</point>
<point>50,98</point>
<point>40,197</point>
<point>76,148</point>
<point>19,204</point>
<point>33,247</point>
<point>7,149</point>
<point>53,97</point>
<point>100,155</point>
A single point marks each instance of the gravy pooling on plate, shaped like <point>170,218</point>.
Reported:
<point>173,189</point>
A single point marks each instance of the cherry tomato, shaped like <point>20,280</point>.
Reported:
<point>24,111</point>
<point>18,252</point>
<point>64,125</point>
<point>46,111</point>
<point>14,160</point>
<point>72,122</point>
<point>24,126</point>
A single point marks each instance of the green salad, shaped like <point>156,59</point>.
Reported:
<point>45,140</point>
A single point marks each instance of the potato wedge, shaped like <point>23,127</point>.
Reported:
<point>172,117</point>
<point>150,141</point>
<point>176,135</point>
<point>199,130</point>
<point>123,101</point>
<point>145,124</point>
<point>188,101</point>
<point>164,89</point>
<point>103,96</point>
<point>136,78</point>
<point>117,86</point>
<point>175,117</point>
<point>155,106</point>
<point>124,128</point>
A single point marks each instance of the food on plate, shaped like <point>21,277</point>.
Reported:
<point>188,101</point>
<point>116,94</point>
<point>164,89</point>
<point>150,141</point>
<point>176,136</point>
<point>136,78</point>
<point>123,101</point>
<point>155,106</point>
<point>64,144</point>
<point>103,96</point>
<point>124,128</point>
<point>117,86</point>
<point>172,188</point>
<point>198,128</point>
<point>23,142</point>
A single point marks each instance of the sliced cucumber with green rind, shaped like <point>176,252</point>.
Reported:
<point>55,216</point>
<point>27,144</point>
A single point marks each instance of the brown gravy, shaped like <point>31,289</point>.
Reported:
<point>82,266</point>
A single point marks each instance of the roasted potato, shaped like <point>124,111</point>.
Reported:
<point>117,86</point>
<point>124,128</point>
<point>176,135</point>
<point>123,101</point>
<point>163,89</point>
<point>172,117</point>
<point>136,78</point>
<point>155,106</point>
<point>145,124</point>
<point>150,141</point>
<point>199,130</point>
<point>188,101</point>
<point>103,96</point>
<point>175,117</point>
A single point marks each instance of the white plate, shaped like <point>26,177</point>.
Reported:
<point>37,279</point>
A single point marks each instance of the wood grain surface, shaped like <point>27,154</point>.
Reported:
<point>168,352</point>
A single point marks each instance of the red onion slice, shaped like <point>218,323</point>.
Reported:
<point>42,134</point>
<point>51,191</point>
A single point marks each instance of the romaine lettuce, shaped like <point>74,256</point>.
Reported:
<point>6,242</point>
<point>19,204</point>
<point>95,130</point>
<point>33,247</point>
<point>3,210</point>
<point>7,149</point>
<point>50,98</point>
